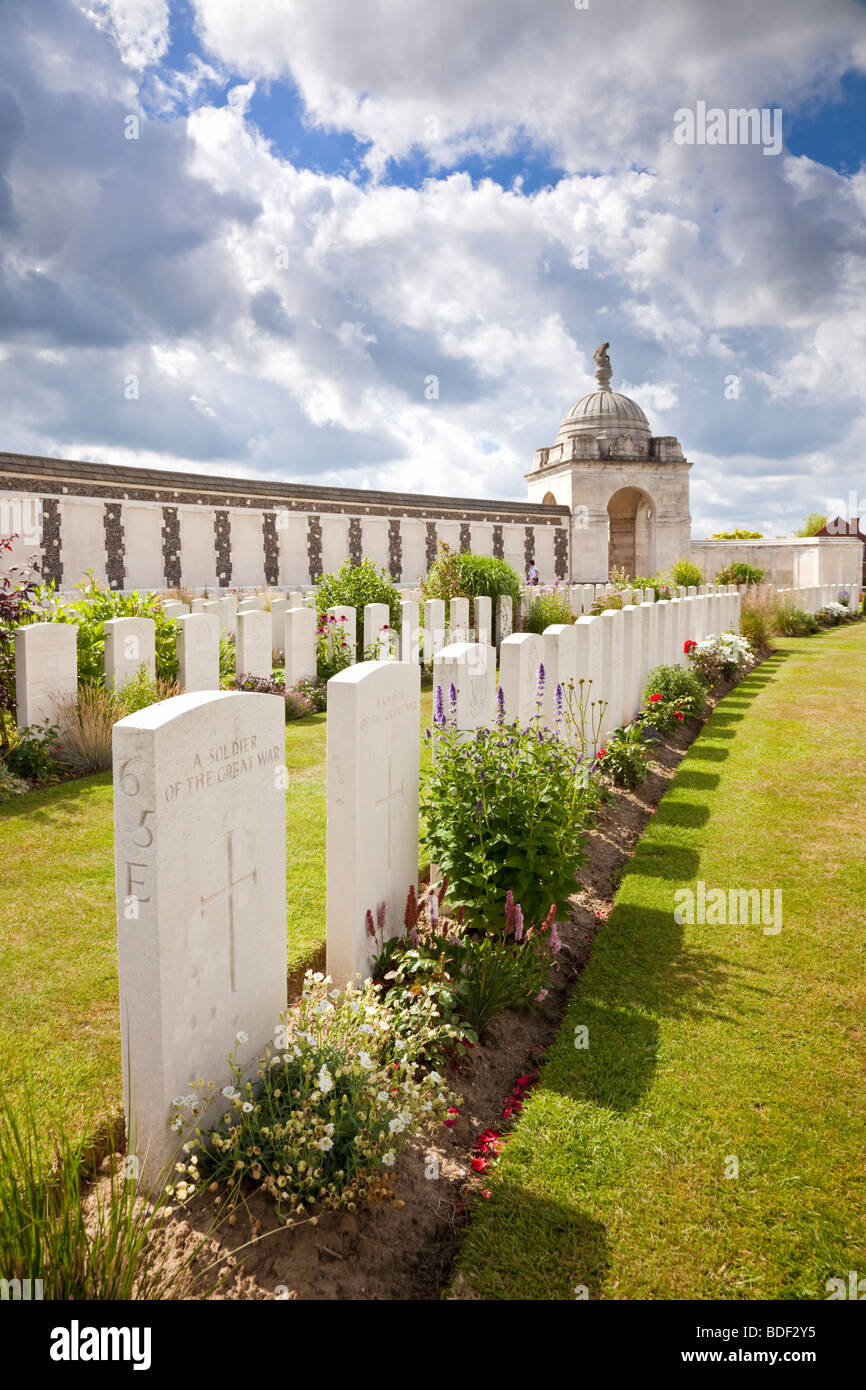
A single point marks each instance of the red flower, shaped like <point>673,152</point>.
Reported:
<point>485,1192</point>
<point>480,1165</point>
<point>689,646</point>
<point>653,698</point>
<point>602,752</point>
<point>678,714</point>
<point>453,1117</point>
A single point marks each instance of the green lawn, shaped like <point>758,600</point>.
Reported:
<point>59,1029</point>
<point>712,1042</point>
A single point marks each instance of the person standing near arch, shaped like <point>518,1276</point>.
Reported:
<point>533,573</point>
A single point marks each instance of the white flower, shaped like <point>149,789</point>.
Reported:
<point>389,1159</point>
<point>329,1129</point>
<point>275,1061</point>
<point>383,1097</point>
<point>318,977</point>
<point>325,1144</point>
<point>434,1077</point>
<point>190,1099</point>
<point>397,1125</point>
<point>335,994</point>
<point>365,1028</point>
<point>177,1126</point>
<point>366,1060</point>
<point>179,1100</point>
<point>241,1037</point>
<point>324,1080</point>
<point>247,1106</point>
<point>230,1092</point>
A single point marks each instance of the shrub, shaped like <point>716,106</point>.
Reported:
<point>756,625</point>
<point>504,811</point>
<point>625,756</point>
<point>487,575</point>
<point>358,585</point>
<point>298,703</point>
<point>445,576</point>
<point>544,609</point>
<point>333,652</point>
<point>466,977</point>
<point>831,615</point>
<point>93,610</point>
<point>790,621</point>
<point>88,717</point>
<point>99,1249</point>
<point>684,574</point>
<point>673,695</point>
<point>740,535</point>
<point>739,573</point>
<point>34,754</point>
<point>227,655</point>
<point>599,605</point>
<point>10,784</point>
<point>337,1099</point>
<point>719,658</point>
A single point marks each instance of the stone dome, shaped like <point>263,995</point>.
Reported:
<point>603,410</point>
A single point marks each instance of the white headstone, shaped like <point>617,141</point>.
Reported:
<point>173,608</point>
<point>346,618</point>
<point>373,749</point>
<point>434,628</point>
<point>198,654</point>
<point>504,617</point>
<point>200,870</point>
<point>46,671</point>
<point>520,657</point>
<point>299,645</point>
<point>197,605</point>
<point>130,643</point>
<point>589,639</point>
<point>471,669</point>
<point>217,606</point>
<point>483,620</point>
<point>249,605</point>
<point>410,628</point>
<point>254,643</point>
<point>296,599</point>
<point>560,668</point>
<point>377,631</point>
<point>612,668</point>
<point>279,608</point>
<point>458,620</point>
<point>630,657</point>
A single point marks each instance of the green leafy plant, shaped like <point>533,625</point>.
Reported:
<point>790,621</point>
<point>227,656</point>
<point>672,695</point>
<point>88,717</point>
<point>546,608</point>
<point>756,624</point>
<point>504,810</point>
<point>719,658</point>
<point>10,784</point>
<point>686,575</point>
<point>298,703</point>
<point>358,585</point>
<point>94,609</point>
<point>739,535</point>
<point>19,597</point>
<point>445,576</point>
<point>600,605</point>
<point>335,1102</point>
<point>333,652</point>
<point>739,573</point>
<point>812,524</point>
<point>34,755</point>
<point>625,756</point>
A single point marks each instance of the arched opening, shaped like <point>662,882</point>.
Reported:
<point>548,500</point>
<point>631,532</point>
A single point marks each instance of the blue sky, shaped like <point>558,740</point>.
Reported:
<point>329,205</point>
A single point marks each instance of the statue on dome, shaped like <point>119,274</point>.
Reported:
<point>600,356</point>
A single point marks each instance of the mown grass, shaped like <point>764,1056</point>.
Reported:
<point>713,1042</point>
<point>59,1027</point>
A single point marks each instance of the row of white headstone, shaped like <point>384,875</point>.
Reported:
<point>812,598</point>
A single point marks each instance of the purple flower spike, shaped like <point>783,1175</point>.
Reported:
<point>452,700</point>
<point>500,705</point>
<point>558,702</point>
<point>539,694</point>
<point>380,916</point>
<point>439,708</point>
<point>518,922</point>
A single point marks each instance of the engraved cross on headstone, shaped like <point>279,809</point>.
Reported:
<point>386,801</point>
<point>228,892</point>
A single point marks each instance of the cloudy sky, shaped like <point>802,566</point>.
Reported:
<point>240,238</point>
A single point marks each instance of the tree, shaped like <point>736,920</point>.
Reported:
<point>812,524</point>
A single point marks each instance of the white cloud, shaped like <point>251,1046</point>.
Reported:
<point>140,28</point>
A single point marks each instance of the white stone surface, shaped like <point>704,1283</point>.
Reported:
<point>612,670</point>
<point>483,608</point>
<point>471,668</point>
<point>520,657</point>
<point>346,617</point>
<point>130,643</point>
<point>410,630</point>
<point>299,645</point>
<point>372,793</point>
<point>560,668</point>
<point>198,637</point>
<point>377,631</point>
<point>174,608</point>
<point>249,605</point>
<point>279,609</point>
<point>253,656</point>
<point>630,659</point>
<point>458,620</point>
<point>46,671</point>
<point>504,617</point>
<point>434,628</point>
<point>200,846</point>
